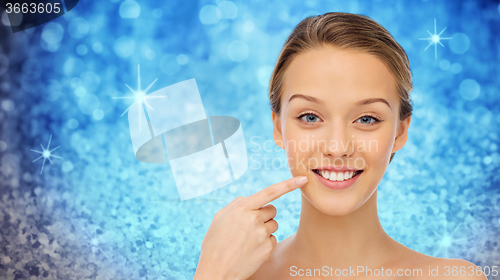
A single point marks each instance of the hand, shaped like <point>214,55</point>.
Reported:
<point>240,238</point>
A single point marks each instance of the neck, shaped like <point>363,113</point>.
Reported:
<point>345,240</point>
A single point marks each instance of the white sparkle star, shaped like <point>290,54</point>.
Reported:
<point>46,153</point>
<point>93,244</point>
<point>139,95</point>
<point>447,239</point>
<point>435,39</point>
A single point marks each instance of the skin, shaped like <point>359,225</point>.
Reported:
<point>338,227</point>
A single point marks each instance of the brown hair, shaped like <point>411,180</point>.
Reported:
<point>344,31</point>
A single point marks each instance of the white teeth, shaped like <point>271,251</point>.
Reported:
<point>334,176</point>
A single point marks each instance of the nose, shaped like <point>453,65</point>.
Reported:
<point>339,142</point>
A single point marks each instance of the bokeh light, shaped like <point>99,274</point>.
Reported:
<point>101,214</point>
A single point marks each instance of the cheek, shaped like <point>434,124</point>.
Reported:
<point>376,146</point>
<point>299,149</point>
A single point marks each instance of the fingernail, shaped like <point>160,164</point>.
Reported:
<point>301,181</point>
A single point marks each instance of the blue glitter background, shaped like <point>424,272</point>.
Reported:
<point>98,213</point>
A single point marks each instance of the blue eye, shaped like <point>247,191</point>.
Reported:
<point>367,119</point>
<point>309,118</point>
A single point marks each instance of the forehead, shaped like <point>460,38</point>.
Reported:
<point>333,74</point>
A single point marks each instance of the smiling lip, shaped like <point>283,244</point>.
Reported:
<point>338,184</point>
<point>337,169</point>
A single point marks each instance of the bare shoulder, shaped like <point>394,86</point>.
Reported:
<point>456,269</point>
<point>266,270</point>
<point>274,268</point>
<point>437,268</point>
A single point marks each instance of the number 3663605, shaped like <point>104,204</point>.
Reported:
<point>471,270</point>
<point>33,8</point>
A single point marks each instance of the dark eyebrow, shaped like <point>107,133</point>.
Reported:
<point>372,100</point>
<point>359,103</point>
<point>306,97</point>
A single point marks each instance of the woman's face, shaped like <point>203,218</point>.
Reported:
<point>339,108</point>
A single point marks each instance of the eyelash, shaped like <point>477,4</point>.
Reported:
<point>304,114</point>
<point>377,120</point>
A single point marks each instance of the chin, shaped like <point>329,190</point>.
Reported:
<point>331,204</point>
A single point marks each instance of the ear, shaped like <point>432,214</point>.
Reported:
<point>277,134</point>
<point>402,134</point>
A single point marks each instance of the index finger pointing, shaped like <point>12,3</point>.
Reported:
<point>273,192</point>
